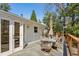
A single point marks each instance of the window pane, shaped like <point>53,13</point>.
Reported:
<point>16,34</point>
<point>35,29</point>
<point>4,35</point>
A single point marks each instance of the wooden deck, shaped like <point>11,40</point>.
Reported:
<point>34,49</point>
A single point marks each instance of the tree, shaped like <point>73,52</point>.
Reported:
<point>5,6</point>
<point>73,11</point>
<point>61,11</point>
<point>48,12</point>
<point>57,26</point>
<point>46,18</point>
<point>33,16</point>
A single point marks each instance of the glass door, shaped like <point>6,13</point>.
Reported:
<point>16,34</point>
<point>4,35</point>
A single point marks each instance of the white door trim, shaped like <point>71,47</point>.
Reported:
<point>10,40</point>
<point>0,35</point>
<point>21,40</point>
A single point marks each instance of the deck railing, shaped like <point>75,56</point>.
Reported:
<point>69,43</point>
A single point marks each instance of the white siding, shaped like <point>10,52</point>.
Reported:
<point>30,36</point>
<point>27,35</point>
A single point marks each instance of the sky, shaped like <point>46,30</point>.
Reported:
<point>27,8</point>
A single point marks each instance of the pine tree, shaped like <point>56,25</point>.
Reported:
<point>33,16</point>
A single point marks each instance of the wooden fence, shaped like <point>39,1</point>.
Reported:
<point>69,39</point>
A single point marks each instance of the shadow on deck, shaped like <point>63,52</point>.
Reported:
<point>34,49</point>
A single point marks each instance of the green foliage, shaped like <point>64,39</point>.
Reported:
<point>68,9</point>
<point>57,26</point>
<point>74,30</point>
<point>46,18</point>
<point>73,11</point>
<point>5,6</point>
<point>69,30</point>
<point>33,16</point>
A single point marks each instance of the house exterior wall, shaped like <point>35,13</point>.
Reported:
<point>11,19</point>
<point>30,36</point>
<point>27,34</point>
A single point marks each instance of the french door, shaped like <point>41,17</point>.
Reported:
<point>4,35</point>
<point>16,36</point>
<point>11,37</point>
<point>5,40</point>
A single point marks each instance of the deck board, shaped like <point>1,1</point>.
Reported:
<point>35,50</point>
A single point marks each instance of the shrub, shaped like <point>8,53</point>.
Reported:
<point>74,30</point>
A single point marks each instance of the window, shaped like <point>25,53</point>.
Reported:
<point>27,26</point>
<point>35,29</point>
<point>16,34</point>
<point>4,35</point>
